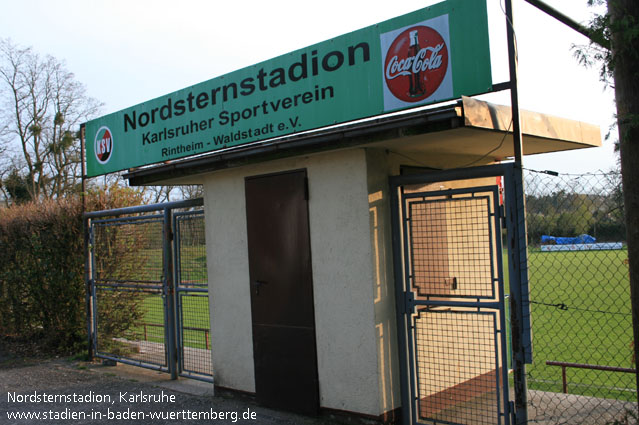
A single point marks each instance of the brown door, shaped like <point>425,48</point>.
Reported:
<point>284,348</point>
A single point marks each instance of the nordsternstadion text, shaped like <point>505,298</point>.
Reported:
<point>44,397</point>
<point>261,81</point>
<point>358,75</point>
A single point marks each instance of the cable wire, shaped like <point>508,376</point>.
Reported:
<point>565,307</point>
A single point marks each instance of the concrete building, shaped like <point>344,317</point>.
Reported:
<point>299,252</point>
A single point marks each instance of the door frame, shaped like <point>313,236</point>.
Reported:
<point>519,304</point>
<point>314,392</point>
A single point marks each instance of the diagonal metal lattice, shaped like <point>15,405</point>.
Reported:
<point>580,301</point>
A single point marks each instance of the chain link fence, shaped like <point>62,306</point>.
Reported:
<point>580,301</point>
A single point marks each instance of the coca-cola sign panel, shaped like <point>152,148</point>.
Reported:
<point>416,64</point>
<point>428,56</point>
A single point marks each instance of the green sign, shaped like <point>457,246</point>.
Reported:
<point>428,56</point>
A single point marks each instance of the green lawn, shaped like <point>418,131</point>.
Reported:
<point>195,314</point>
<point>595,327</point>
<point>195,308</point>
<point>149,264</point>
<point>144,266</point>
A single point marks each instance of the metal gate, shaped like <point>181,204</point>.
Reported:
<point>147,293</point>
<point>192,296</point>
<point>453,319</point>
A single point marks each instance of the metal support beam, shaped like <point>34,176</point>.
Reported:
<point>86,223</point>
<point>514,78</point>
<point>517,237</point>
<point>564,19</point>
<point>519,304</point>
<point>400,296</point>
<point>145,208</point>
<point>88,285</point>
<point>169,295</point>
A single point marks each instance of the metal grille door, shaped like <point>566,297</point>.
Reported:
<point>455,312</point>
<point>148,288</point>
<point>129,290</point>
<point>193,330</point>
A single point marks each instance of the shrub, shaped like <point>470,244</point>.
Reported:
<point>42,288</point>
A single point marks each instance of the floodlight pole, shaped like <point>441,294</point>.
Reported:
<point>518,238</point>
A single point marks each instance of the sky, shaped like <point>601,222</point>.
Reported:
<point>128,51</point>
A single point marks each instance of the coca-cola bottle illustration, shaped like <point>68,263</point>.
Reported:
<point>415,88</point>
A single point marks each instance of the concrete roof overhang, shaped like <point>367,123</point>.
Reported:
<point>467,132</point>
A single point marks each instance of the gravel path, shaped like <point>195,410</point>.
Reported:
<point>59,389</point>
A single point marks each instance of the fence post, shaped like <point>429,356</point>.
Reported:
<point>519,297</point>
<point>88,279</point>
<point>176,275</point>
<point>169,291</point>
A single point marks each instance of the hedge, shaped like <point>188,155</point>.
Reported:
<point>42,289</point>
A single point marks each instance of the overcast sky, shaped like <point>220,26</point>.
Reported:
<point>129,51</point>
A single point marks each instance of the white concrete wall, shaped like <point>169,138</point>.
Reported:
<point>229,292</point>
<point>379,166</point>
<point>344,281</point>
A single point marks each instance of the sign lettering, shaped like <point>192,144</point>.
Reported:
<point>401,63</point>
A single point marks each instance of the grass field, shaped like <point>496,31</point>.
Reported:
<point>580,310</point>
<point>581,313</point>
<point>194,307</point>
<point>594,327</point>
<point>195,314</point>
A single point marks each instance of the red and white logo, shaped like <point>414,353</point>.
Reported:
<point>416,61</point>
<point>103,145</point>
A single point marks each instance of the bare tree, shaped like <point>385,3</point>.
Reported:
<point>42,108</point>
<point>191,191</point>
<point>157,194</point>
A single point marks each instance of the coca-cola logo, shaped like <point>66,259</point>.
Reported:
<point>416,63</point>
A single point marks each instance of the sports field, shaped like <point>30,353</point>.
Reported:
<point>580,310</point>
<point>195,320</point>
<point>194,307</point>
<point>581,313</point>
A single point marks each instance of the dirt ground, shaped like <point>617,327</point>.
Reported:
<point>67,391</point>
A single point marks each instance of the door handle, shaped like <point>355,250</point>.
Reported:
<point>257,285</point>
